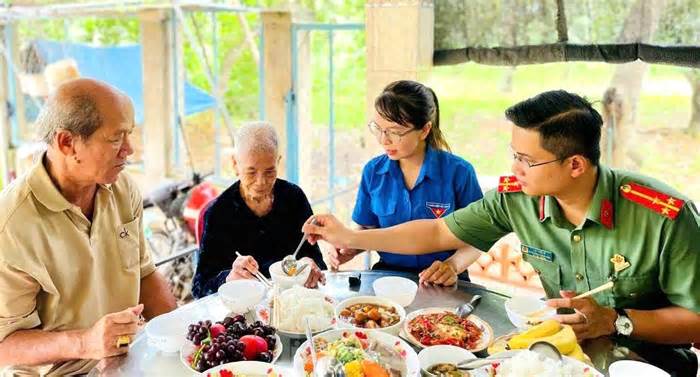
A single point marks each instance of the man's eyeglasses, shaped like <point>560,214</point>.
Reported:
<point>531,164</point>
<point>392,136</point>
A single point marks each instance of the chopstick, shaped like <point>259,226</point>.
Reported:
<point>593,291</point>
<point>258,275</point>
<point>276,310</point>
<point>541,312</point>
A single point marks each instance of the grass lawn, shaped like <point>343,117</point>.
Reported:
<point>472,101</point>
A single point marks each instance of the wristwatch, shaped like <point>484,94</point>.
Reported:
<point>623,323</point>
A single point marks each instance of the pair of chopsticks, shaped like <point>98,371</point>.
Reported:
<point>604,287</point>
<point>259,275</point>
<point>276,310</point>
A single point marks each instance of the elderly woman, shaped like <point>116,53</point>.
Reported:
<point>259,216</point>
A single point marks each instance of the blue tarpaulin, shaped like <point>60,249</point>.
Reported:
<point>121,67</point>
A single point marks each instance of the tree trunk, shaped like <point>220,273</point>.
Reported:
<point>640,25</point>
<point>694,124</point>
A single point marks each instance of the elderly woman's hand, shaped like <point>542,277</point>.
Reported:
<point>315,276</point>
<point>243,268</point>
<point>339,257</point>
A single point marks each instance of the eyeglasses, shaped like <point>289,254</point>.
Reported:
<point>392,136</point>
<point>529,163</point>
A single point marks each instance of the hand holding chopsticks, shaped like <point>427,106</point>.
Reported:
<point>534,316</point>
<point>589,319</point>
<point>257,274</point>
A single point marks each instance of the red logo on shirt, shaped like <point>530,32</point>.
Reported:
<point>438,209</point>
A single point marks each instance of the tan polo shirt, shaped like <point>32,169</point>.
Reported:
<point>61,271</point>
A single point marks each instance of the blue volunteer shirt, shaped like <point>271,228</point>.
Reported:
<point>445,183</point>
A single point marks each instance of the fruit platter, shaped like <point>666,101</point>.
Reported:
<point>232,339</point>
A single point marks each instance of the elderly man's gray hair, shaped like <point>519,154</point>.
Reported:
<point>78,115</point>
<point>256,137</point>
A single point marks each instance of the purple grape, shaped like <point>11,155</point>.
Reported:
<point>238,318</point>
<point>220,355</point>
<point>265,357</point>
<point>271,341</point>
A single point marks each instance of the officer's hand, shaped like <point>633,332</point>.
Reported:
<point>590,320</point>
<point>439,273</point>
<point>329,229</point>
<point>243,268</point>
<point>315,276</point>
<point>339,257</point>
<point>100,340</point>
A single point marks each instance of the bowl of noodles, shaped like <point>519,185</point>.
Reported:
<point>298,304</point>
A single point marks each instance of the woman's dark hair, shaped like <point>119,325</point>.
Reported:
<point>566,122</point>
<point>412,104</point>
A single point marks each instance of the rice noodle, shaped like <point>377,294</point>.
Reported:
<point>298,303</point>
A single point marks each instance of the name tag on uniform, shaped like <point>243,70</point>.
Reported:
<point>537,253</point>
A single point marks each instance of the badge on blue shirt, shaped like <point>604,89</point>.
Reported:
<point>537,253</point>
<point>438,209</point>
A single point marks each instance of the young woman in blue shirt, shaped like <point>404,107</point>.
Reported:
<point>416,178</point>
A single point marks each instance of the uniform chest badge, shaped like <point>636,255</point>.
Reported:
<point>438,209</point>
<point>534,252</point>
<point>619,262</point>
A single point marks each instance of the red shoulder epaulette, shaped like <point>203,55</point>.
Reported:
<point>658,202</point>
<point>508,184</point>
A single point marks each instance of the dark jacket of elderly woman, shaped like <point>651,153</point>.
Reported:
<point>230,226</point>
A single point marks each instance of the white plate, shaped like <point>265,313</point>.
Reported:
<point>411,359</point>
<point>623,368</point>
<point>246,368</point>
<point>486,330</point>
<point>262,314</point>
<point>188,348</point>
<point>486,371</point>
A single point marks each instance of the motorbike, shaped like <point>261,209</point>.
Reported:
<point>181,203</point>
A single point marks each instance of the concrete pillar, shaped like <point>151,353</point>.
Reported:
<point>399,40</point>
<point>277,58</point>
<point>158,96</point>
<point>306,136</point>
<point>4,118</point>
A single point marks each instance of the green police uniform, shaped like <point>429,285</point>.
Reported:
<point>638,232</point>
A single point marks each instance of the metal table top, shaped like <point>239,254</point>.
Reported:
<point>145,360</point>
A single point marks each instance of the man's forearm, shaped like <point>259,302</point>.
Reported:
<point>413,237</point>
<point>671,325</point>
<point>36,347</point>
<point>156,295</point>
<point>463,258</point>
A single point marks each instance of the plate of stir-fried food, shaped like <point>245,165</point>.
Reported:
<point>434,326</point>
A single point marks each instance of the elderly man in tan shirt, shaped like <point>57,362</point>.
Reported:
<point>75,274</point>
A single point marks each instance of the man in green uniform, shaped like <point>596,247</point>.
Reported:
<point>581,225</point>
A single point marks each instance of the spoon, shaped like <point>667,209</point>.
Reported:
<point>546,349</point>
<point>464,310</point>
<point>301,269</point>
<point>289,263</point>
<point>310,339</point>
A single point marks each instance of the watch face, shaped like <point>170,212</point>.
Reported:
<point>623,325</point>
